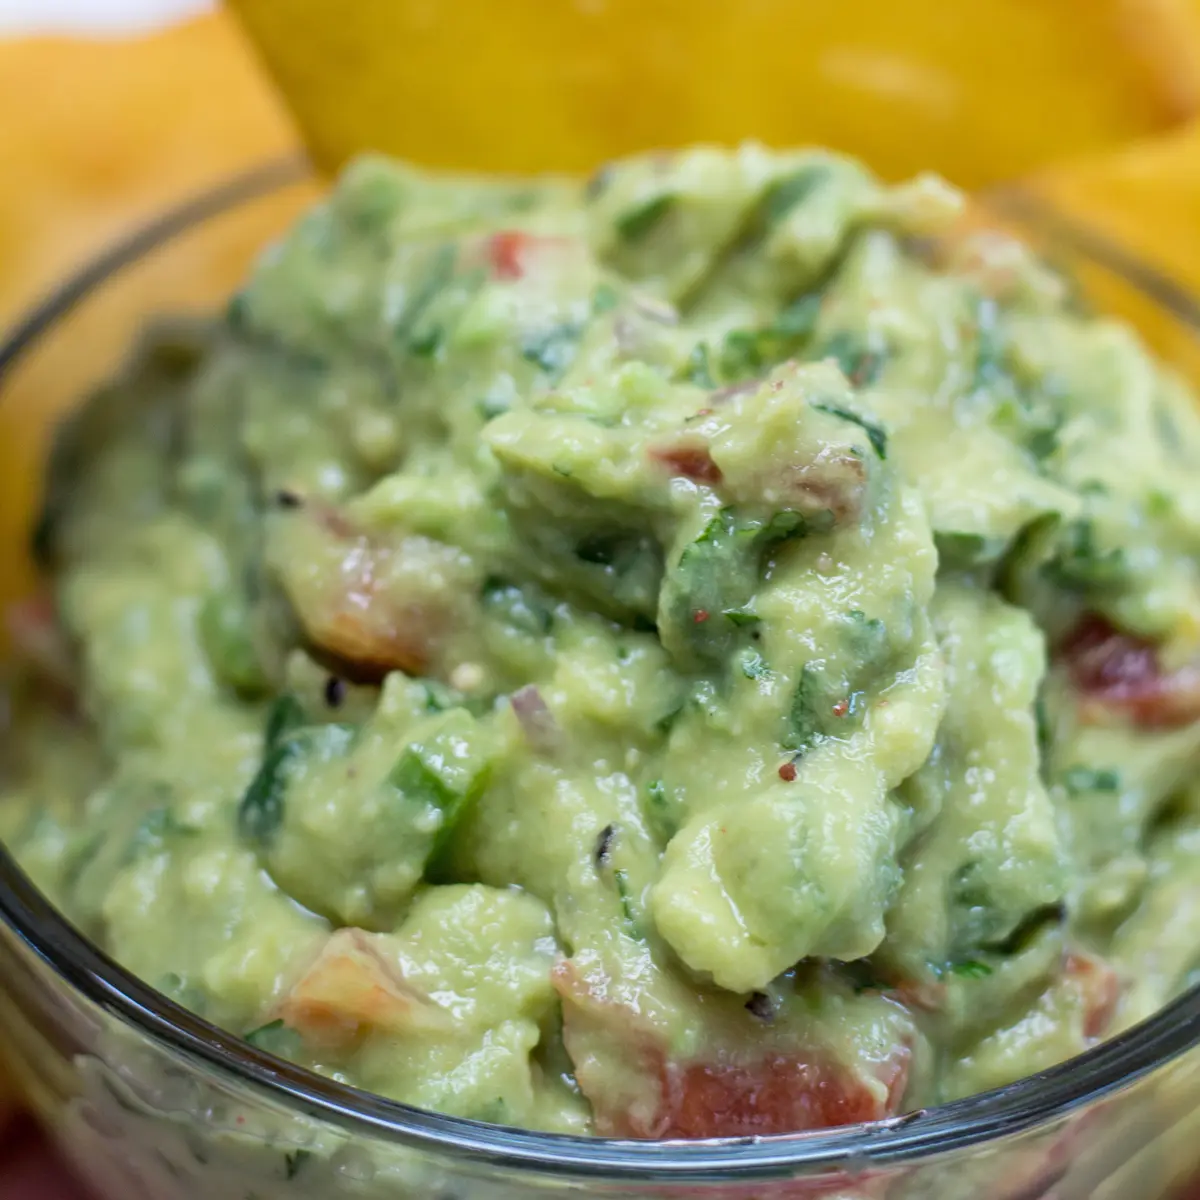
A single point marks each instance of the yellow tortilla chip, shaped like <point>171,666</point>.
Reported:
<point>110,134</point>
<point>978,89</point>
<point>1146,196</point>
<point>1144,200</point>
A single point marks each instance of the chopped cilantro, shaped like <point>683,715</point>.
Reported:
<point>1079,780</point>
<point>294,1162</point>
<point>666,722</point>
<point>971,968</point>
<point>698,370</point>
<point>660,810</point>
<point>876,434</point>
<point>439,697</point>
<point>1045,729</point>
<point>866,636</point>
<point>968,549</point>
<point>740,617</point>
<point>604,299</point>
<point>742,354</point>
<point>284,716</point>
<point>624,894</point>
<point>799,319</point>
<point>552,350</point>
<point>427,342</point>
<point>746,353</point>
<point>636,223</point>
<point>717,573</point>
<point>1080,564</point>
<point>491,407</point>
<point>805,713</point>
<point>787,523</point>
<point>260,812</point>
<point>990,345</point>
<point>155,827</point>
<point>860,363</point>
<point>275,1038</point>
<point>441,271</point>
<point>434,775</point>
<point>1159,503</point>
<point>416,775</point>
<point>1042,443</point>
<point>783,195</point>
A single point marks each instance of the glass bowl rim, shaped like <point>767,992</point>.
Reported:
<point>971,1123</point>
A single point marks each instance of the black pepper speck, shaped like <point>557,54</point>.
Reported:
<point>761,1005</point>
<point>604,844</point>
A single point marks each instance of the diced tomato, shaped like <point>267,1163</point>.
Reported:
<point>363,633</point>
<point>914,993</point>
<point>833,482</point>
<point>723,1096</point>
<point>39,641</point>
<point>690,460</point>
<point>361,617</point>
<point>1100,988</point>
<point>1119,672</point>
<point>777,1094</point>
<point>352,988</point>
<point>512,253</point>
<point>504,253</point>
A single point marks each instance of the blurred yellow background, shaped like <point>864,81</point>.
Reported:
<point>1092,104</point>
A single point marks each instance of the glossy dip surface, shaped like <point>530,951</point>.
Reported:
<point>710,651</point>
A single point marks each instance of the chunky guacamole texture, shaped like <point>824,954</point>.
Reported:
<point>708,651</point>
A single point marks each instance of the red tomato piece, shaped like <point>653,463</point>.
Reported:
<point>511,254</point>
<point>777,1094</point>
<point>1122,673</point>
<point>1100,987</point>
<point>781,1091</point>
<point>690,460</point>
<point>368,607</point>
<point>41,643</point>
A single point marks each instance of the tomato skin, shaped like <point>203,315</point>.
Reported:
<point>505,250</point>
<point>777,1094</point>
<point>690,461</point>
<point>1120,673</point>
<point>358,618</point>
<point>512,254</point>
<point>363,634</point>
<point>40,642</point>
<point>1100,987</point>
<point>783,1090</point>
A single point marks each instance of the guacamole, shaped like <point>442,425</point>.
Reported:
<point>714,650</point>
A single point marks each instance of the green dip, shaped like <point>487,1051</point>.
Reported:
<point>708,652</point>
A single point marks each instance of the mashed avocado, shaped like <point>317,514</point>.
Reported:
<point>708,652</point>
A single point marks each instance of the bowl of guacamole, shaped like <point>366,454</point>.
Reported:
<point>711,651</point>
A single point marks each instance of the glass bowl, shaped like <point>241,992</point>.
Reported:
<point>149,1101</point>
